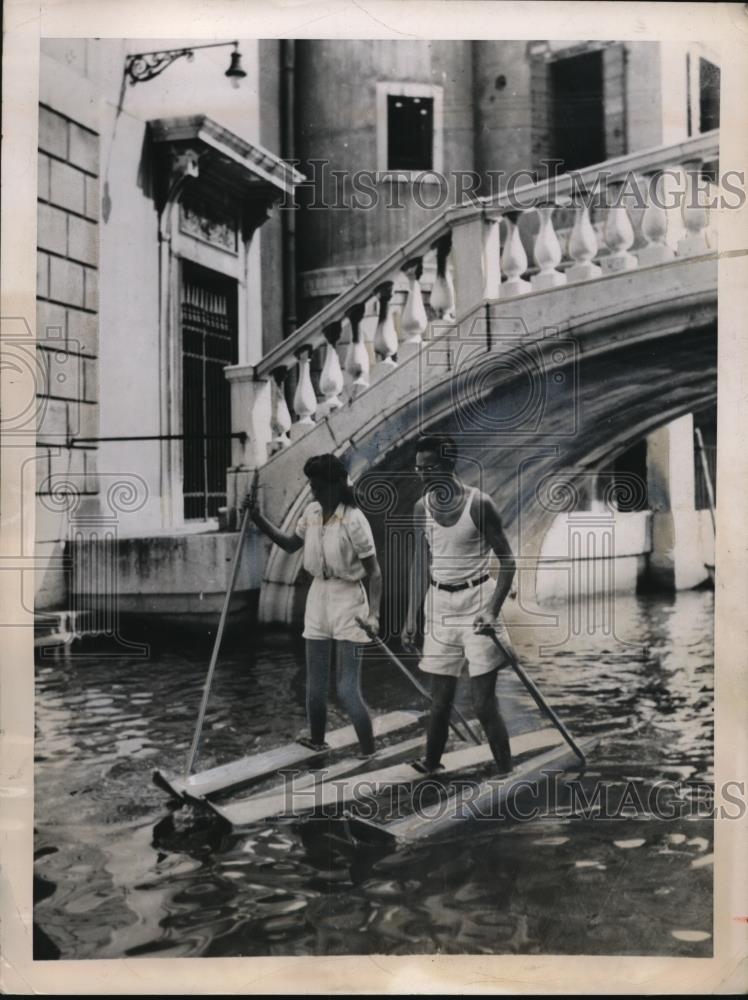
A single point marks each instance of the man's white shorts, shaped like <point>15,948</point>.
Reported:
<point>449,635</point>
<point>332,607</point>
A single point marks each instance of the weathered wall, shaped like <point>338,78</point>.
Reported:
<point>98,276</point>
<point>503,108</point>
<point>270,236</point>
<point>336,120</point>
<point>67,308</point>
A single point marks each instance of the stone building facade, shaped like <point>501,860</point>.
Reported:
<point>162,256</point>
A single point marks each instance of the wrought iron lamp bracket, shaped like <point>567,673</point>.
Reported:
<point>146,65</point>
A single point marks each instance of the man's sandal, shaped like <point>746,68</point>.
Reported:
<point>423,768</point>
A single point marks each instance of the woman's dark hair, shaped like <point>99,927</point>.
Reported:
<point>442,445</point>
<point>328,468</point>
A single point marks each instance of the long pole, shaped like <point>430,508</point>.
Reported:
<point>707,476</point>
<point>537,696</point>
<point>416,684</point>
<point>219,633</point>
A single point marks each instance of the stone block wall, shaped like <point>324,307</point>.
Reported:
<point>67,336</point>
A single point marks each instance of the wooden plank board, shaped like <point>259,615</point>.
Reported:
<point>305,791</point>
<point>335,793</point>
<point>493,794</point>
<point>248,769</point>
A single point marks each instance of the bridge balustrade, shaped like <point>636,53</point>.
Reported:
<point>635,211</point>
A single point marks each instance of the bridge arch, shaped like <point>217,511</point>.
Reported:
<point>533,388</point>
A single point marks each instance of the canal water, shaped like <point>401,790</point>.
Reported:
<point>118,873</point>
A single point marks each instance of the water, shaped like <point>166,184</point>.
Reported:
<point>118,874</point>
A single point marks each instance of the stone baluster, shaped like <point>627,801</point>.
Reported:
<point>694,212</point>
<point>618,235</point>
<point>442,299</point>
<point>280,420</point>
<point>713,195</point>
<point>331,377</point>
<point>357,359</point>
<point>513,259</point>
<point>251,415</point>
<point>385,336</point>
<point>413,320</point>
<point>583,248</point>
<point>654,225</point>
<point>492,255</point>
<point>475,261</point>
<point>305,398</point>
<point>547,252</point>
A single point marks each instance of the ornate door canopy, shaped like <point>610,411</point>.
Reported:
<point>197,147</point>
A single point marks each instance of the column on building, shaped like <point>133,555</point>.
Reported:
<point>676,560</point>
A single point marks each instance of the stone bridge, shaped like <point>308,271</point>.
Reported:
<point>544,373</point>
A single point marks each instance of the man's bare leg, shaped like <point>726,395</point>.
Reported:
<point>486,705</point>
<point>443,693</point>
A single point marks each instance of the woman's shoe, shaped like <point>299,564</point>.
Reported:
<point>308,742</point>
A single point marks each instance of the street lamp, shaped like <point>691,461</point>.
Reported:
<point>143,66</point>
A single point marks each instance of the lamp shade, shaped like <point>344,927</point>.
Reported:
<point>235,72</point>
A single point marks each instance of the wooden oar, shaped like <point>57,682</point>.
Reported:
<point>221,626</point>
<point>419,687</point>
<point>536,695</point>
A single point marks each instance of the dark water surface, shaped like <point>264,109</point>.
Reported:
<point>116,876</point>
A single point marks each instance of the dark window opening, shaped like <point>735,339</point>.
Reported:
<point>410,133</point>
<point>709,76</point>
<point>623,483</point>
<point>577,109</point>
<point>209,343</point>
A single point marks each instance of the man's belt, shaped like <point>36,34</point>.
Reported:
<point>452,587</point>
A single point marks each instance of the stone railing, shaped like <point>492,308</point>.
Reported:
<point>577,227</point>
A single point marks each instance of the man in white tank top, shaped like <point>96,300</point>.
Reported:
<point>457,530</point>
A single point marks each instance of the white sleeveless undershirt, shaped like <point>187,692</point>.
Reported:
<point>460,552</point>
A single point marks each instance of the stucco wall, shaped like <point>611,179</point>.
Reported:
<point>336,120</point>
<point>98,276</point>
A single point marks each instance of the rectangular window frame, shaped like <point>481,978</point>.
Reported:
<point>694,53</point>
<point>385,89</point>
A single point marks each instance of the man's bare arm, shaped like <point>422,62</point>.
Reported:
<point>420,569</point>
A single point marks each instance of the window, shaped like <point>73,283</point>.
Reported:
<point>410,133</point>
<point>708,96</point>
<point>578,104</point>
<point>409,127</point>
<point>209,343</point>
<point>578,120</point>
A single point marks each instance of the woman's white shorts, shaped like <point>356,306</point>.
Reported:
<point>449,636</point>
<point>331,608</point>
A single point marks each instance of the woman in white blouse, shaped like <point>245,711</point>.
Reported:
<point>339,553</point>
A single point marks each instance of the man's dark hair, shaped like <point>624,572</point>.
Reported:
<point>442,445</point>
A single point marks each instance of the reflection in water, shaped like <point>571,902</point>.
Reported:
<point>119,873</point>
